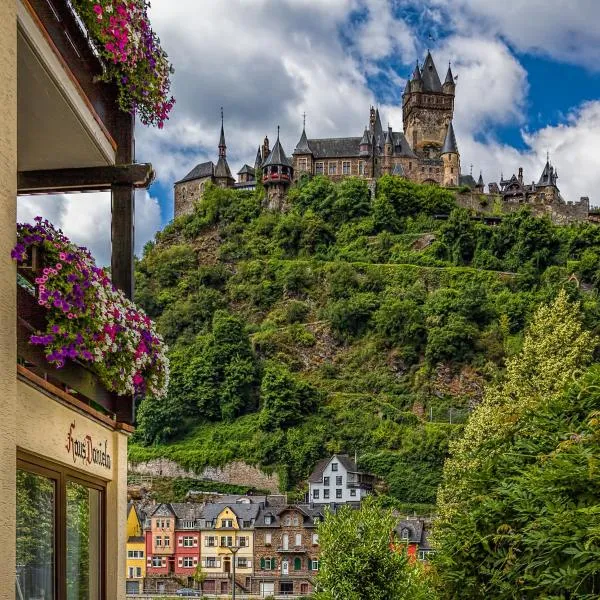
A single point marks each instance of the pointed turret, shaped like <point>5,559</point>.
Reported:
<point>302,146</point>
<point>449,86</point>
<point>431,79</point>
<point>222,171</point>
<point>378,130</point>
<point>416,83</point>
<point>450,146</point>
<point>277,176</point>
<point>479,186</point>
<point>549,176</point>
<point>365,144</point>
<point>258,160</point>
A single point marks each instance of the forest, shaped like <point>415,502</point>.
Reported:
<point>370,326</point>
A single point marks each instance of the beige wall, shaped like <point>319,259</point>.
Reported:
<point>8,379</point>
<point>40,412</point>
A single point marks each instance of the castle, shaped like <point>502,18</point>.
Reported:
<point>426,151</point>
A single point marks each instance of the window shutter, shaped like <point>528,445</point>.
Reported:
<point>206,541</point>
<point>180,562</point>
<point>180,541</point>
<point>273,563</point>
<point>195,561</point>
<point>262,563</point>
<point>149,561</point>
<point>195,541</point>
<point>164,562</point>
<point>249,563</point>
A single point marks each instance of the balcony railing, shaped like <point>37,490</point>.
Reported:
<point>292,549</point>
<point>74,378</point>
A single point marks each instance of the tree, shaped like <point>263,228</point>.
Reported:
<point>485,503</point>
<point>357,561</point>
<point>199,576</point>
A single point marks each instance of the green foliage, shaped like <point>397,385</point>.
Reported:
<point>517,500</point>
<point>357,562</point>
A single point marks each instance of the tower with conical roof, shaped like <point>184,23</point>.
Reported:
<point>277,175</point>
<point>223,176</point>
<point>427,108</point>
<point>450,158</point>
<point>302,156</point>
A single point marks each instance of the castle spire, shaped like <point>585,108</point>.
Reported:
<point>431,79</point>
<point>450,146</point>
<point>417,72</point>
<point>449,76</point>
<point>222,145</point>
<point>302,146</point>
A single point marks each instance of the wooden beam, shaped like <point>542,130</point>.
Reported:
<point>88,179</point>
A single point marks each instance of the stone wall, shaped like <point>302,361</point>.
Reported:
<point>187,194</point>
<point>237,473</point>
<point>559,211</point>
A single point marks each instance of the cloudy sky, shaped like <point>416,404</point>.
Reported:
<point>528,83</point>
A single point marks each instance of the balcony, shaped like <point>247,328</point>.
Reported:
<point>73,383</point>
<point>292,550</point>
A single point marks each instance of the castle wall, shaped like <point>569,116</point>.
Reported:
<point>187,194</point>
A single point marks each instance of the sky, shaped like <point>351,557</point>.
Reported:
<point>528,85</point>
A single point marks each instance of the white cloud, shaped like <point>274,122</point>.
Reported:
<point>86,218</point>
<point>566,30</point>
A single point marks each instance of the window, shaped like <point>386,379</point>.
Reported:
<point>242,562</point>
<point>158,540</point>
<point>325,494</point>
<point>422,169</point>
<point>315,539</point>
<point>267,539</point>
<point>247,524</point>
<point>410,165</point>
<point>316,520</point>
<point>338,493</point>
<point>226,540</point>
<point>138,571</point>
<point>188,562</point>
<point>287,521</point>
<point>338,480</point>
<point>211,562</point>
<point>187,525</point>
<point>426,554</point>
<point>286,541</point>
<point>296,521</point>
<point>314,565</point>
<point>297,564</point>
<point>316,494</point>
<point>188,541</point>
<point>168,523</point>
<point>135,554</point>
<point>167,541</point>
<point>353,492</point>
<point>227,523</point>
<point>268,564</point>
<point>298,539</point>
<point>361,168</point>
<point>405,534</point>
<point>267,519</point>
<point>156,561</point>
<point>334,466</point>
<point>325,480</point>
<point>319,168</point>
<point>451,169</point>
<point>346,167</point>
<point>210,541</point>
<point>332,168</point>
<point>286,587</point>
<point>243,542</point>
<point>302,164</point>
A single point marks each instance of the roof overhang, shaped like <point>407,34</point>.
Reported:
<point>58,126</point>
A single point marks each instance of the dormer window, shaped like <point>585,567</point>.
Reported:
<point>268,519</point>
<point>334,466</point>
<point>227,523</point>
<point>405,535</point>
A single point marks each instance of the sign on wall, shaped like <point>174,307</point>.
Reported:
<point>85,450</point>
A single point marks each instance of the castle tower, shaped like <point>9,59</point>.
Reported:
<point>427,108</point>
<point>265,149</point>
<point>388,148</point>
<point>277,176</point>
<point>302,155</point>
<point>223,177</point>
<point>258,161</point>
<point>479,187</point>
<point>451,159</point>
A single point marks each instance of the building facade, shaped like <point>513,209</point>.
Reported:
<point>135,569</point>
<point>338,479</point>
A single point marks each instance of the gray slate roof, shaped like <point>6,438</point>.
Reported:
<point>317,475</point>
<point>302,147</point>
<point>431,79</point>
<point>246,169</point>
<point>449,76</point>
<point>401,145</point>
<point>244,512</point>
<point>222,169</point>
<point>415,529</point>
<point>467,180</point>
<point>277,156</point>
<point>200,171</point>
<point>335,147</point>
<point>450,144</point>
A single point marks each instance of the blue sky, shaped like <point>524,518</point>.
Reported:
<point>528,82</point>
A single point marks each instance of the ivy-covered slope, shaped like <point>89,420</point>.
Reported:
<point>344,325</point>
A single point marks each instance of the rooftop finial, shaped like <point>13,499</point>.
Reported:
<point>471,171</point>
<point>277,131</point>
<point>304,120</point>
<point>221,115</point>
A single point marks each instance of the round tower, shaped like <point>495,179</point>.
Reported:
<point>451,159</point>
<point>277,175</point>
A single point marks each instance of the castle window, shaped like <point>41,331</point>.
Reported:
<point>361,168</point>
<point>422,169</point>
<point>302,164</point>
<point>346,167</point>
<point>437,170</point>
<point>332,168</point>
<point>430,170</point>
<point>410,166</point>
<point>451,169</point>
<point>319,168</point>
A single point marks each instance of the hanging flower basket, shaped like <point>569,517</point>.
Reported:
<point>88,319</point>
<point>132,56</point>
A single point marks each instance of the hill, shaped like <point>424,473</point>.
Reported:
<point>348,324</point>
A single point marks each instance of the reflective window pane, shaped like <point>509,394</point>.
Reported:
<point>36,500</point>
<point>83,542</point>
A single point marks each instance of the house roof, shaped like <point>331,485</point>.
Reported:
<point>303,147</point>
<point>277,156</point>
<point>136,539</point>
<point>244,512</point>
<point>222,169</point>
<point>205,169</point>
<point>335,147</point>
<point>317,475</point>
<point>467,180</point>
<point>415,529</point>
<point>246,169</point>
<point>401,145</point>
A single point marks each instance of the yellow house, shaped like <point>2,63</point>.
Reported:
<point>227,534</point>
<point>136,549</point>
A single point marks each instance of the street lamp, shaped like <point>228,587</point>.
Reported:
<point>234,550</point>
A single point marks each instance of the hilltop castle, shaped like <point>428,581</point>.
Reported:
<point>426,151</point>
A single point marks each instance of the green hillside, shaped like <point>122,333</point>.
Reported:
<point>344,325</point>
